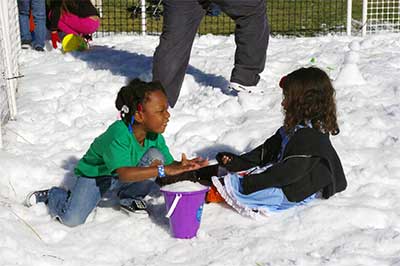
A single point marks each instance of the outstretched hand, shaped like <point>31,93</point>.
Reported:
<point>224,158</point>
<point>197,162</point>
<point>185,165</point>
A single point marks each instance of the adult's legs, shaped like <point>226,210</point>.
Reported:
<point>171,58</point>
<point>251,37</point>
<point>72,208</point>
<point>39,17</point>
<point>23,10</point>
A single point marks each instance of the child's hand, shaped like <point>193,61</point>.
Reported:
<point>179,168</point>
<point>54,39</point>
<point>226,159</point>
<point>198,161</point>
<point>185,165</point>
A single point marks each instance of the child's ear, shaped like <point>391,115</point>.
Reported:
<point>139,117</point>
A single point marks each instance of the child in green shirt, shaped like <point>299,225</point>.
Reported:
<point>125,160</point>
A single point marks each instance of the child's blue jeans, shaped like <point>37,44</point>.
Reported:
<point>72,208</point>
<point>39,16</point>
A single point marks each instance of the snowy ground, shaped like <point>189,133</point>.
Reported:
<point>64,101</point>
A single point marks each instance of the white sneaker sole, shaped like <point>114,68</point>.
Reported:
<point>239,88</point>
<point>28,200</point>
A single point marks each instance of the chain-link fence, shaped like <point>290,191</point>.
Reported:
<point>286,17</point>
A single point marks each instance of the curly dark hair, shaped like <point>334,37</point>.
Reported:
<point>135,93</point>
<point>309,96</point>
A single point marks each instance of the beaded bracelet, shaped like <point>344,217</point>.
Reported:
<point>161,170</point>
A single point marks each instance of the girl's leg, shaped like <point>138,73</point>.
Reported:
<point>138,190</point>
<point>63,25</point>
<point>70,23</point>
<point>72,208</point>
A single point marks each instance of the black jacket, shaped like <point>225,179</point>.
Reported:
<point>309,164</point>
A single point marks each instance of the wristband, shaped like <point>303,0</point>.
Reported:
<point>161,171</point>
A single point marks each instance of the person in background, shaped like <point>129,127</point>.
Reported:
<point>180,24</point>
<point>38,9</point>
<point>78,17</point>
<point>125,160</point>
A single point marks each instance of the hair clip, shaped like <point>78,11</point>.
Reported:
<point>282,81</point>
<point>125,109</point>
<point>131,124</point>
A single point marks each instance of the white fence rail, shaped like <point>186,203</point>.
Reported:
<point>9,50</point>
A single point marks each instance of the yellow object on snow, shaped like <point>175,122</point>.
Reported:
<point>73,42</point>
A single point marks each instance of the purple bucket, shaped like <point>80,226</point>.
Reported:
<point>184,211</point>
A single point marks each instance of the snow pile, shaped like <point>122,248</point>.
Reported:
<point>183,186</point>
<point>65,101</point>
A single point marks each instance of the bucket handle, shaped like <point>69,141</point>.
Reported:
<point>173,206</point>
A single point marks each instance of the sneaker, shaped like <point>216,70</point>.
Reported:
<point>88,37</point>
<point>39,49</point>
<point>26,44</point>
<point>37,196</point>
<point>236,88</point>
<point>137,206</point>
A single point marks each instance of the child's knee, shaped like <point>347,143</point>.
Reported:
<point>72,220</point>
<point>150,156</point>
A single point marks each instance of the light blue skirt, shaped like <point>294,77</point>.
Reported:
<point>269,199</point>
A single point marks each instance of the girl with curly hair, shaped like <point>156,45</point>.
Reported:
<point>298,163</point>
<point>294,166</point>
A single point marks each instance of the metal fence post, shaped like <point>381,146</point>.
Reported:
<point>364,17</point>
<point>143,6</point>
<point>349,16</point>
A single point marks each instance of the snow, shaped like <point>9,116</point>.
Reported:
<point>184,186</point>
<point>64,101</point>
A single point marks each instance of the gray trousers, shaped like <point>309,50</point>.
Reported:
<point>181,21</point>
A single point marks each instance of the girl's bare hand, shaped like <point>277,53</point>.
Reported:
<point>226,159</point>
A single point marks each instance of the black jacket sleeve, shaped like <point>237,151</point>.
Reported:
<point>263,154</point>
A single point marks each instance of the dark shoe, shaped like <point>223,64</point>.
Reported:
<point>37,196</point>
<point>88,37</point>
<point>26,44</point>
<point>137,206</point>
<point>39,49</point>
